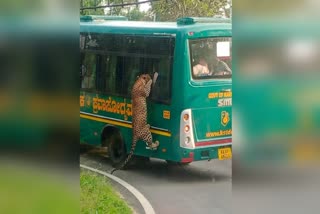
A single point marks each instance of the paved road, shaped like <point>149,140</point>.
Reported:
<point>201,187</point>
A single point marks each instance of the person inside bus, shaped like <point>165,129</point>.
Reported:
<point>201,69</point>
<point>219,67</point>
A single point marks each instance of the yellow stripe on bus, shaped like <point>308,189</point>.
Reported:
<point>119,123</point>
<point>113,122</point>
<point>163,133</point>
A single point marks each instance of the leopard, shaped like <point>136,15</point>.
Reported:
<point>140,128</point>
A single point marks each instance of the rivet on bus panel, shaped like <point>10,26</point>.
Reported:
<point>164,150</point>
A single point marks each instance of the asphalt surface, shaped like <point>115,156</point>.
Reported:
<point>200,187</point>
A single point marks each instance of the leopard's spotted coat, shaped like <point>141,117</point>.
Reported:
<point>140,128</point>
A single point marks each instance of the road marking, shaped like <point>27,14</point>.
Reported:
<point>148,209</point>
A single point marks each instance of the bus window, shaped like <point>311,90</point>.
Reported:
<point>161,90</point>
<point>108,68</point>
<point>88,71</point>
<point>120,73</point>
<point>124,57</point>
<point>211,58</point>
<point>131,70</point>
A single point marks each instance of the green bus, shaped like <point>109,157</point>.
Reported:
<point>189,108</point>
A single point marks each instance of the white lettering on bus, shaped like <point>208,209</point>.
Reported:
<point>225,102</point>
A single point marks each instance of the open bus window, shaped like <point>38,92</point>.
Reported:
<point>211,58</point>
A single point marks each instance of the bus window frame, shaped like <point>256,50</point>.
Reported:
<point>208,77</point>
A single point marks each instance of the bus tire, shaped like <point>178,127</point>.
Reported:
<point>117,151</point>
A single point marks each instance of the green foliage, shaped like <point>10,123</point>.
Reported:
<point>137,15</point>
<point>132,12</point>
<point>172,9</point>
<point>164,10</point>
<point>91,3</point>
<point>97,196</point>
<point>115,11</point>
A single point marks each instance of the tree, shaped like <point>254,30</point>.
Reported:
<point>163,10</point>
<point>91,3</point>
<point>131,11</point>
<point>170,10</point>
<point>136,15</point>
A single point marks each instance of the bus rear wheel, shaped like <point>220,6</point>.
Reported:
<point>117,149</point>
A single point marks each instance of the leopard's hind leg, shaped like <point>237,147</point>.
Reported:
<point>147,138</point>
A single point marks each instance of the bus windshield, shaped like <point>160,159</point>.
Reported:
<point>211,58</point>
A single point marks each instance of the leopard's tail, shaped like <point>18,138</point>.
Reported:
<point>133,147</point>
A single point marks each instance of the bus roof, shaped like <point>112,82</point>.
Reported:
<point>186,24</point>
<point>88,18</point>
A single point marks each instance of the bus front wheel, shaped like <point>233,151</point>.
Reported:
<point>116,150</point>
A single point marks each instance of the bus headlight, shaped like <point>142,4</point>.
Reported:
<point>186,128</point>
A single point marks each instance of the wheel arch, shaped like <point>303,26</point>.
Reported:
<point>107,131</point>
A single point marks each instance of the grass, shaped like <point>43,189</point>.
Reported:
<point>97,196</point>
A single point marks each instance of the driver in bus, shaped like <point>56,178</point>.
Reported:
<point>219,67</point>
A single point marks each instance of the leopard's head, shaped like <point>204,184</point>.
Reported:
<point>145,78</point>
<point>140,85</point>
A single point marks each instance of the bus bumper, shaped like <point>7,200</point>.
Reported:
<point>204,153</point>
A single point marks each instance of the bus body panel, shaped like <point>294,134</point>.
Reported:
<point>98,110</point>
